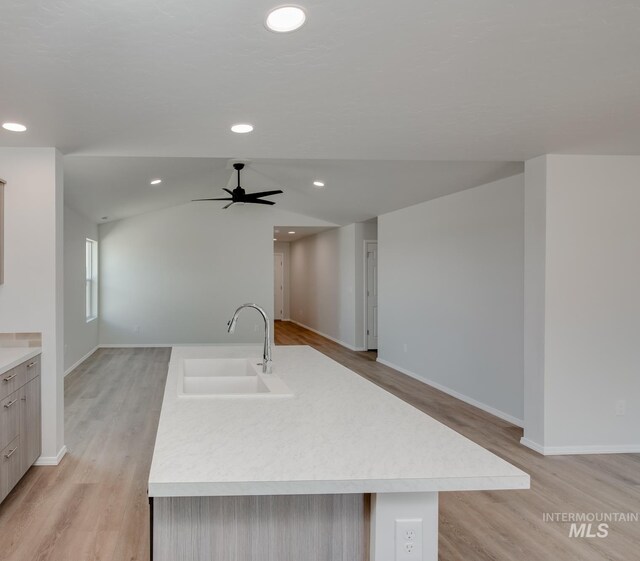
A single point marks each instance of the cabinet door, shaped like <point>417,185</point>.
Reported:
<point>10,468</point>
<point>30,430</point>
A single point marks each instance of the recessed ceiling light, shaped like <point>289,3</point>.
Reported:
<point>292,232</point>
<point>318,183</point>
<point>156,181</point>
<point>285,18</point>
<point>242,128</point>
<point>14,127</point>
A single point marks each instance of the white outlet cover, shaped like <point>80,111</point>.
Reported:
<point>408,539</point>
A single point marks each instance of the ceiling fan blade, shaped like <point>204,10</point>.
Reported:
<point>262,194</point>
<point>259,202</point>
<point>195,200</point>
<point>227,206</point>
<point>227,190</point>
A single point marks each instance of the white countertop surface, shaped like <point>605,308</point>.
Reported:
<point>10,357</point>
<point>339,434</point>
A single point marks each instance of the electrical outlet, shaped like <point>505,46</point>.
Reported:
<point>621,407</point>
<point>409,539</point>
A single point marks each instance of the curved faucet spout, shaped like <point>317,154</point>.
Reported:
<point>266,353</point>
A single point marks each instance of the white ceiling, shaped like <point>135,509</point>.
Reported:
<point>354,191</point>
<point>364,79</point>
<point>281,233</point>
<point>118,187</point>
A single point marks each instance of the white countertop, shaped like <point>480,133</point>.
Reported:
<point>339,434</point>
<point>10,357</point>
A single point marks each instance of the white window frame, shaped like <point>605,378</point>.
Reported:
<point>91,279</point>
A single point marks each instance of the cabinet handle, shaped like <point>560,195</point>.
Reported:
<point>7,456</point>
<point>10,377</point>
<point>7,405</point>
<point>31,364</point>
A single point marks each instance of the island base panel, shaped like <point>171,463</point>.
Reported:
<point>261,528</point>
<point>387,508</point>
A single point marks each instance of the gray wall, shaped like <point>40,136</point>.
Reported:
<point>31,297</point>
<point>176,275</point>
<point>327,282</point>
<point>586,304</point>
<point>451,289</point>
<point>80,337</point>
<point>323,281</point>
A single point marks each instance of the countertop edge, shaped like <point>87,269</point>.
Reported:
<point>248,488</point>
<point>30,352</point>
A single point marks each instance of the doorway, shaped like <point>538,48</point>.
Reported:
<point>371,295</point>
<point>278,286</point>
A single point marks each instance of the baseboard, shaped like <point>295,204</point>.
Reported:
<point>51,460</point>
<point>453,393</point>
<point>170,345</point>
<point>136,345</point>
<point>533,445</point>
<point>579,450</point>
<point>79,362</point>
<point>350,347</point>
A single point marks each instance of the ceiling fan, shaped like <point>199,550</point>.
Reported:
<point>239,195</point>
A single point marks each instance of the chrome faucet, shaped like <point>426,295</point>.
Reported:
<point>266,353</point>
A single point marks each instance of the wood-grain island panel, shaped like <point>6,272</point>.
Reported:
<point>261,528</point>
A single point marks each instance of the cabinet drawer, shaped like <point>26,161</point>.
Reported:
<point>17,377</point>
<point>10,468</point>
<point>9,418</point>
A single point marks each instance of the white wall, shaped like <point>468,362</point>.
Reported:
<point>31,298</point>
<point>284,248</point>
<point>177,275</point>
<point>327,282</point>
<point>80,337</point>
<point>323,283</point>
<point>591,351</point>
<point>534,296</point>
<point>365,231</point>
<point>451,289</point>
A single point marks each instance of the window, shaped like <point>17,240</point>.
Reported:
<point>92,280</point>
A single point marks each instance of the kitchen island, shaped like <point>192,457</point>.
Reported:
<point>320,472</point>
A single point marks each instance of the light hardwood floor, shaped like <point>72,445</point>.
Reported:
<point>508,525</point>
<point>93,506</point>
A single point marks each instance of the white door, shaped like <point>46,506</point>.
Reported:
<point>278,286</point>
<point>372,295</point>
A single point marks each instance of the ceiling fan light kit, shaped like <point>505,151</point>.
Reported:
<point>240,196</point>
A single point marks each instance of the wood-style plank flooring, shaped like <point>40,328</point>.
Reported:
<point>93,506</point>
<point>508,525</point>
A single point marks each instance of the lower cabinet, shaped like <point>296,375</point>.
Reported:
<point>30,429</point>
<point>20,429</point>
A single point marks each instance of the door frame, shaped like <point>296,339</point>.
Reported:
<point>364,293</point>
<point>276,253</point>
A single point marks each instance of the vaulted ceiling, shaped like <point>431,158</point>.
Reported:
<point>432,81</point>
<point>118,187</point>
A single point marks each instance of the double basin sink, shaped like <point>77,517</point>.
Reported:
<point>228,378</point>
